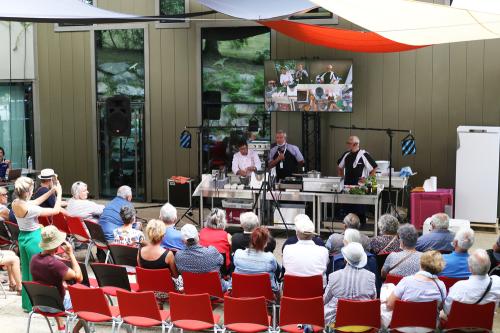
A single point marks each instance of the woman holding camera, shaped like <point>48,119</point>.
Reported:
<point>27,212</point>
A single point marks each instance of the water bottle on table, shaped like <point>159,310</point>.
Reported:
<point>30,164</point>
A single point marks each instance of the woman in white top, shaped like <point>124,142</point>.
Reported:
<point>27,212</point>
<point>80,206</point>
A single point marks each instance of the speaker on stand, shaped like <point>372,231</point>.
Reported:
<point>119,123</point>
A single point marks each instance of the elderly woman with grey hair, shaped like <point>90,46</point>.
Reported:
<point>79,205</point>
<point>126,234</point>
<point>387,241</point>
<point>241,240</point>
<point>213,234</point>
<point>406,262</point>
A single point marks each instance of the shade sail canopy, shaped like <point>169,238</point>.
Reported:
<point>69,11</point>
<point>414,22</point>
<point>259,9</point>
<point>350,40</point>
<point>486,6</point>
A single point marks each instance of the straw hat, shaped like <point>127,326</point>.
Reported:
<point>51,238</point>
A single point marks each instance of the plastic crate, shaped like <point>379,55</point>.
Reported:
<point>426,204</point>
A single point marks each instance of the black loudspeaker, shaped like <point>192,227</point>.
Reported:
<point>119,115</point>
<point>211,105</point>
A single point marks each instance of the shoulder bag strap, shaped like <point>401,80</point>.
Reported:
<point>399,262</point>
<point>440,292</point>
<point>388,244</point>
<point>486,291</point>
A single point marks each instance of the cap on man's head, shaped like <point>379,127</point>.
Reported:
<point>51,238</point>
<point>303,224</point>
<point>189,231</point>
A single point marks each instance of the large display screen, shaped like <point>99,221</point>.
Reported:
<point>308,85</point>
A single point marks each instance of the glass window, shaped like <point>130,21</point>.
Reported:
<point>120,73</point>
<point>16,122</point>
<point>233,64</point>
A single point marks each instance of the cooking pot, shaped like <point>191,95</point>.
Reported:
<point>314,174</point>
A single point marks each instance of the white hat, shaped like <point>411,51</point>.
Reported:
<point>189,231</point>
<point>303,224</point>
<point>51,238</point>
<point>355,255</point>
<point>46,174</point>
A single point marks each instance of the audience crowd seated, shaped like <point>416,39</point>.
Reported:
<point>215,235</point>
<point>406,262</point>
<point>173,237</point>
<point>126,234</point>
<point>80,206</point>
<point>388,240</point>
<point>456,264</point>
<point>110,218</point>
<point>241,240</point>
<point>439,238</point>
<point>336,241</point>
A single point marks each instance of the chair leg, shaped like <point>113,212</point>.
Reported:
<point>48,323</point>
<point>29,321</point>
<point>274,317</point>
<point>87,255</point>
<point>107,257</point>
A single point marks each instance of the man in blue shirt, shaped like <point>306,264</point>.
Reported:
<point>457,265</point>
<point>46,177</point>
<point>439,238</point>
<point>173,238</point>
<point>110,218</point>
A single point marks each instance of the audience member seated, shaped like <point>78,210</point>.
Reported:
<point>479,288</point>
<point>173,237</point>
<point>154,256</point>
<point>4,201</point>
<point>456,265</point>
<point>336,241</point>
<point>126,234</point>
<point>241,240</point>
<point>10,261</point>
<point>305,258</point>
<point>294,239</point>
<point>80,206</point>
<point>387,241</point>
<point>421,287</point>
<point>254,260</point>
<point>196,258</point>
<point>406,262</point>
<point>49,270</point>
<point>47,177</point>
<point>213,234</point>
<point>494,254</point>
<point>110,218</point>
<point>439,238</point>
<point>352,282</point>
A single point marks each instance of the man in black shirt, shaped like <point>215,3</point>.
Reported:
<point>354,165</point>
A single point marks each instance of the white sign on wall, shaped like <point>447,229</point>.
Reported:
<point>21,48</point>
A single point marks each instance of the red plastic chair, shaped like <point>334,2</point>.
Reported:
<point>405,315</point>
<point>59,220</point>
<point>246,315</point>
<point>449,282</point>
<point>5,236</point>
<point>124,255</point>
<point>41,295</point>
<point>97,237</point>
<point>112,278</point>
<point>302,286</point>
<point>140,310</point>
<point>44,220</point>
<point>201,283</point>
<point>296,311</point>
<point>470,316</point>
<point>13,231</point>
<point>390,278</point>
<point>90,305</point>
<point>348,314</point>
<point>252,285</point>
<point>193,312</point>
<point>154,280</point>
<point>86,281</point>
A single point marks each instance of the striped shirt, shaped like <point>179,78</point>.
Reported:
<point>348,283</point>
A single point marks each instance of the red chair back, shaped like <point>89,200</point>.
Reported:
<point>59,221</point>
<point>252,285</point>
<point>295,311</point>
<point>405,314</point>
<point>245,310</point>
<point>191,307</point>
<point>302,286</point>
<point>85,299</point>
<point>44,220</point>
<point>449,282</point>
<point>390,278</point>
<point>201,283</point>
<point>154,280</point>
<point>348,313</point>
<point>462,316</point>
<point>77,228</point>
<point>138,304</point>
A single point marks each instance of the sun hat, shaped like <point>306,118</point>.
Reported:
<point>355,255</point>
<point>189,231</point>
<point>51,238</point>
<point>47,174</point>
<point>303,224</point>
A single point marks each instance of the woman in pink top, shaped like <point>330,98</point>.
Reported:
<point>213,234</point>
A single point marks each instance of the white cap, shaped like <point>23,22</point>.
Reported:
<point>303,224</point>
<point>355,255</point>
<point>189,231</point>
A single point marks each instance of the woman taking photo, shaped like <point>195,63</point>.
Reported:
<point>27,212</point>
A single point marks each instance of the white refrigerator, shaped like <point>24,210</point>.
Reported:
<point>477,172</point>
